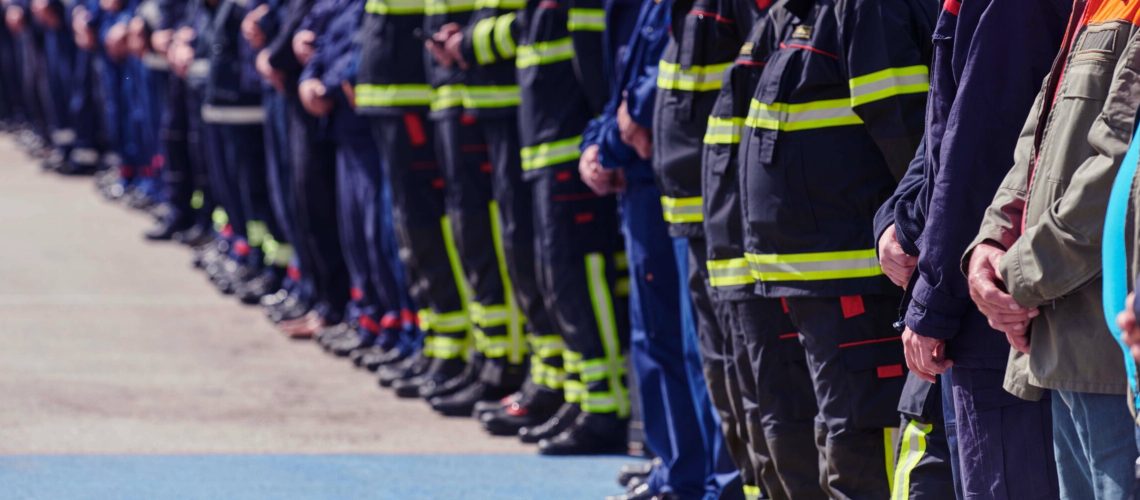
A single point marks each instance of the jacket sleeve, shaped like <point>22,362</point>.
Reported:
<point>886,53</point>
<point>1001,223</point>
<point>900,209</point>
<point>973,153</point>
<point>1060,252</point>
<point>491,39</point>
<point>281,54</point>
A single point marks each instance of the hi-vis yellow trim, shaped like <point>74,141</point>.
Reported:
<point>815,266</point>
<point>504,41</point>
<point>395,7</point>
<point>256,232</point>
<point>441,347</point>
<point>440,7</point>
<point>671,76</point>
<point>548,346</point>
<point>724,130</point>
<point>516,343</point>
<point>890,437</point>
<point>447,96</point>
<point>500,4</point>
<point>393,95</point>
<point>198,199</point>
<point>551,153</point>
<point>682,210</point>
<point>792,117</point>
<point>888,83</point>
<point>220,218</point>
<point>542,53</point>
<point>461,284</point>
<point>616,400</point>
<point>490,96</point>
<point>912,450</point>
<point>586,20</point>
<point>448,322</point>
<point>481,40</point>
<point>752,492</point>
<point>730,272</point>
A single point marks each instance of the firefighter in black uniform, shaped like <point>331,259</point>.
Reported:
<point>851,75</point>
<point>759,341</point>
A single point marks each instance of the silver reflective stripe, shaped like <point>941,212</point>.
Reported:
<point>155,62</point>
<point>200,68</point>
<point>233,115</point>
<point>62,137</point>
<point>807,267</point>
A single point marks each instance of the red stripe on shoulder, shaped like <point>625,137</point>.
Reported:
<point>952,6</point>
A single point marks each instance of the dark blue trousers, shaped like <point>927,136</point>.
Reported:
<point>679,425</point>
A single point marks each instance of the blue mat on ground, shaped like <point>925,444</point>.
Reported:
<point>240,477</point>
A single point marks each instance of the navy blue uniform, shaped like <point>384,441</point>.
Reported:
<point>936,221</point>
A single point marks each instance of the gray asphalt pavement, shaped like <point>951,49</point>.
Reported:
<point>109,345</point>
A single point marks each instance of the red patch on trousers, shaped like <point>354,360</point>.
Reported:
<point>852,306</point>
<point>415,127</point>
<point>584,218</point>
<point>890,371</point>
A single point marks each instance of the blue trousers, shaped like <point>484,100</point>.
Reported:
<point>680,425</point>
<point>1093,444</point>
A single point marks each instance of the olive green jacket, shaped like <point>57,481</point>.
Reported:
<point>1049,212</point>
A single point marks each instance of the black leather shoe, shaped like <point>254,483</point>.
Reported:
<point>343,346</point>
<point>274,299</point>
<point>442,371</point>
<point>484,408</point>
<point>197,235</point>
<point>468,376</point>
<point>387,357</point>
<point>409,374</point>
<point>251,291</point>
<point>591,434</point>
<point>628,473</point>
<point>334,334</point>
<point>462,403</point>
<point>292,308</point>
<point>561,420</point>
<point>534,407</point>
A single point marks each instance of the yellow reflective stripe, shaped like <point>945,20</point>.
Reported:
<point>395,7</point>
<point>256,233</point>
<point>515,339</point>
<point>621,261</point>
<point>607,328</point>
<point>730,272</point>
<point>547,375</point>
<point>491,96</point>
<point>438,7</point>
<point>586,20</point>
<point>621,287</point>
<point>545,53</point>
<point>481,40</point>
<point>573,391</point>
<point>445,347</point>
<point>724,130</point>
<point>751,492</point>
<point>888,83</point>
<point>913,449</point>
<point>220,218</point>
<point>671,76</point>
<point>489,315</point>
<point>601,402</point>
<point>551,153</point>
<point>548,346</point>
<point>792,117</point>
<point>413,94</point>
<point>815,266</point>
<point>198,199</point>
<point>682,210</point>
<point>448,96</point>
<point>594,370</point>
<point>504,40</point>
<point>277,253</point>
<point>500,4</point>
<point>456,270</point>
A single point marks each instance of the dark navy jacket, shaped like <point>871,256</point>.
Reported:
<point>973,119</point>
<point>233,79</point>
<point>632,71</point>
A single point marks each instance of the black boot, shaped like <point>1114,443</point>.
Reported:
<point>462,403</point>
<point>251,291</point>
<point>535,406</point>
<point>468,376</point>
<point>591,434</point>
<point>406,372</point>
<point>561,420</point>
<point>443,370</point>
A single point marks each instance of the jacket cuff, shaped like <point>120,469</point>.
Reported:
<point>1017,283</point>
<point>934,313</point>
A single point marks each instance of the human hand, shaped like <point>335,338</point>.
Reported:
<point>45,14</point>
<point>251,27</point>
<point>136,37</point>
<point>303,46</point>
<point>160,41</point>
<point>896,264</point>
<point>314,97</point>
<point>14,18</point>
<point>272,75</point>
<point>602,181</point>
<point>115,43</point>
<point>1129,330</point>
<point>925,356</point>
<point>986,289</point>
<point>633,134</point>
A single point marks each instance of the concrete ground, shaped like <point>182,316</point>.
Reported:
<point>110,346</point>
